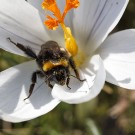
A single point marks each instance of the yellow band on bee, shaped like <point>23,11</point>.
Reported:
<point>49,65</point>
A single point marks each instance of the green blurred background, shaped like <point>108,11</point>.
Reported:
<point>111,113</point>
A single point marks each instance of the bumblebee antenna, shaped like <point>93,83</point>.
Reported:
<point>48,78</point>
<point>78,78</point>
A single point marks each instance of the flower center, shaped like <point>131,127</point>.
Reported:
<point>53,23</point>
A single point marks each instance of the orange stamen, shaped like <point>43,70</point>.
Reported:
<point>48,3</point>
<point>69,5</point>
<point>51,23</point>
<point>52,6</point>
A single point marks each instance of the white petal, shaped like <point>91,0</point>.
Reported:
<point>54,35</point>
<point>36,4</point>
<point>14,87</point>
<point>118,53</point>
<point>83,91</point>
<point>61,5</point>
<point>94,19</point>
<point>8,46</point>
<point>21,20</point>
<point>69,16</point>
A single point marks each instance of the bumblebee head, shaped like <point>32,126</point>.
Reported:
<point>60,75</point>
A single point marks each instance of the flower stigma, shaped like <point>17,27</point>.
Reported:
<point>53,23</point>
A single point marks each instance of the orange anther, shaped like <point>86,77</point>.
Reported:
<point>51,23</point>
<point>69,5</point>
<point>51,5</point>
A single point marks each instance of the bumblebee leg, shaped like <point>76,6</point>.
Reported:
<point>68,77</point>
<point>73,66</point>
<point>34,80</point>
<point>67,82</point>
<point>27,50</point>
<point>49,84</point>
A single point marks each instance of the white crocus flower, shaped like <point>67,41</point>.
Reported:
<point>111,59</point>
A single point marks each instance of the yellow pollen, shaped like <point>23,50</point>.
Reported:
<point>52,23</point>
<point>70,42</point>
<point>80,58</point>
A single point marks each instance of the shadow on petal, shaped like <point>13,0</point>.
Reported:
<point>14,88</point>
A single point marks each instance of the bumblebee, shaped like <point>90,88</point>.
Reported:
<point>54,64</point>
